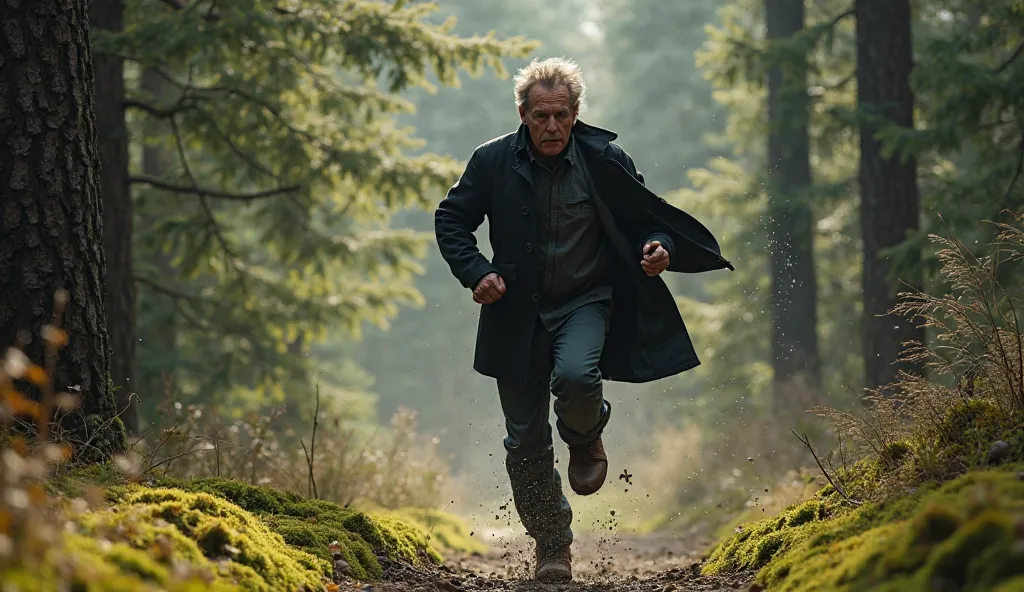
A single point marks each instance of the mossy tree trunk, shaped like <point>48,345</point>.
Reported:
<point>118,212</point>
<point>51,216</point>
<point>888,184</point>
<point>791,223</point>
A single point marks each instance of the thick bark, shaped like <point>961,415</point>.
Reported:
<point>888,186</point>
<point>108,15</point>
<point>791,223</point>
<point>51,216</point>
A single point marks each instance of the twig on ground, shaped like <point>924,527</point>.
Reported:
<point>311,453</point>
<point>436,520</point>
<point>807,442</point>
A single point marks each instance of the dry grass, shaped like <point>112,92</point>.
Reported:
<point>968,411</point>
<point>329,459</point>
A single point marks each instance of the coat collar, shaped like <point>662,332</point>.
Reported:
<point>589,136</point>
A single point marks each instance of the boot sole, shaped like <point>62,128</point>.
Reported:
<point>554,575</point>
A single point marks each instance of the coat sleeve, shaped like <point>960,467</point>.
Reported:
<point>459,215</point>
<point>654,233</point>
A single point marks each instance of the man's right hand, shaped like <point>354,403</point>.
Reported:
<point>489,290</point>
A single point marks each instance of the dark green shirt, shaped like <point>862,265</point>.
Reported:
<point>573,250</point>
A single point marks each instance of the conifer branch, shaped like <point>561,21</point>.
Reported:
<point>1016,54</point>
<point>203,191</point>
<point>250,160</point>
<point>211,219</point>
<point>1020,166</point>
<point>183,5</point>
<point>170,292</point>
<point>841,16</point>
<point>180,107</point>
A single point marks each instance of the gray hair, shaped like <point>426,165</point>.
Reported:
<point>551,73</point>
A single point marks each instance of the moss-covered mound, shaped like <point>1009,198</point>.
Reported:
<point>215,534</point>
<point>86,564</point>
<point>168,539</point>
<point>967,535</point>
<point>312,525</point>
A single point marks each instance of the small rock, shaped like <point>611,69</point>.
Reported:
<point>446,586</point>
<point>997,452</point>
<point>341,567</point>
<point>669,588</point>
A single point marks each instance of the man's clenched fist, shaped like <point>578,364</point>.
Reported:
<point>489,290</point>
<point>655,259</point>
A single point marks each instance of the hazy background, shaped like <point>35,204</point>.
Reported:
<point>350,299</point>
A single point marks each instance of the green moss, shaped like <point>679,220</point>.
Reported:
<point>312,525</point>
<point>755,545</point>
<point>445,532</point>
<point>215,529</point>
<point>87,564</point>
<point>72,480</point>
<point>257,538</point>
<point>963,535</point>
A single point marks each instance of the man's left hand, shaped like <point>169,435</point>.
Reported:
<point>655,259</point>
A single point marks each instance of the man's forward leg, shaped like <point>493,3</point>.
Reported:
<point>580,406</point>
<point>536,484</point>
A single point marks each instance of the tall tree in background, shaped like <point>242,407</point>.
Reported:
<point>889,210</point>
<point>118,212</point>
<point>157,361</point>
<point>734,321</point>
<point>657,98</point>
<point>267,227</point>
<point>51,222</point>
<point>794,294</point>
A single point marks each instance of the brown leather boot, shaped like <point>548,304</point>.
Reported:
<point>554,566</point>
<point>588,467</point>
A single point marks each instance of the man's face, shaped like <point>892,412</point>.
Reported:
<point>549,116</point>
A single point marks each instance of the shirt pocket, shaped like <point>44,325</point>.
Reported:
<point>577,204</point>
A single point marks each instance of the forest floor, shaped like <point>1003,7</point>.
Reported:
<point>661,562</point>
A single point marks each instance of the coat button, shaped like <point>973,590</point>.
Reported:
<point>529,247</point>
<point>526,211</point>
<point>536,297</point>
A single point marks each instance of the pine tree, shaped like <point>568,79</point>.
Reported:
<point>889,206</point>
<point>51,243</point>
<point>287,165</point>
<point>794,298</point>
<point>732,322</point>
<point>118,212</point>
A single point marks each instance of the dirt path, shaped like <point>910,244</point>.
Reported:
<point>619,563</point>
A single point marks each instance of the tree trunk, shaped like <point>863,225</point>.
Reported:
<point>108,15</point>
<point>157,162</point>
<point>888,185</point>
<point>51,219</point>
<point>791,223</point>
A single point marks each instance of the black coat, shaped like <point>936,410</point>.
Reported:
<point>647,339</point>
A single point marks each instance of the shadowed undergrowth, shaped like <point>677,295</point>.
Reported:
<point>927,492</point>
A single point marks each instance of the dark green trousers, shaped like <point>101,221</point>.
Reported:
<point>564,363</point>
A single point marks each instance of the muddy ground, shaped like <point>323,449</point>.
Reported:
<point>668,562</point>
